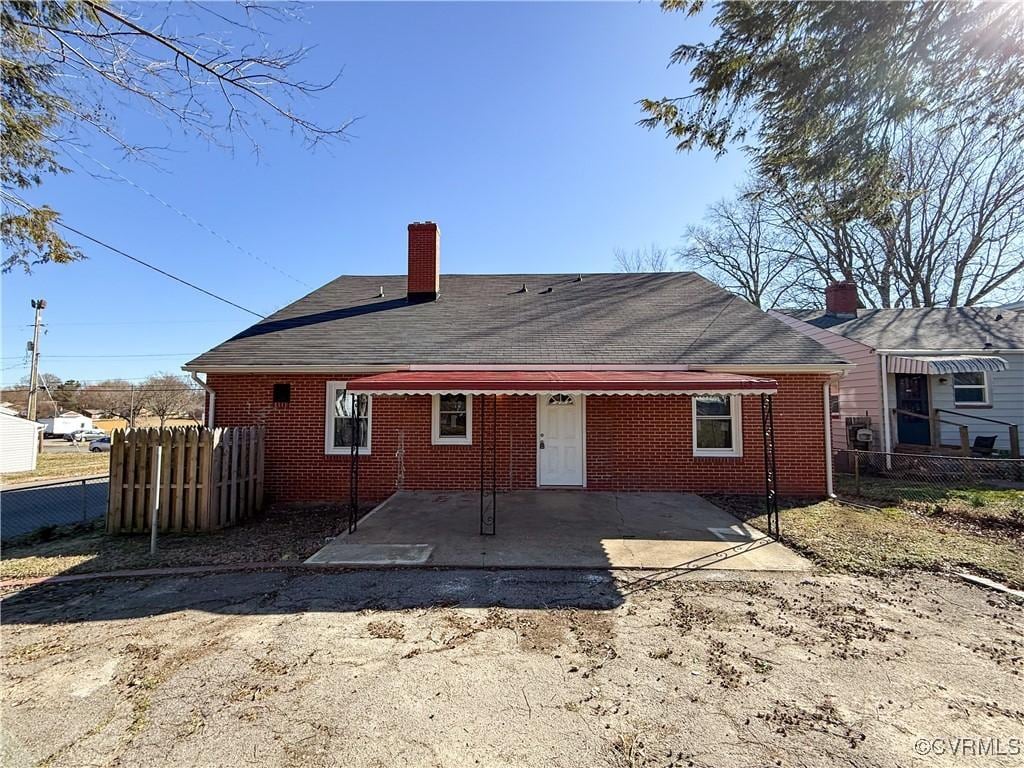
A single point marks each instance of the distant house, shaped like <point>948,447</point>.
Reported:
<point>19,441</point>
<point>921,373</point>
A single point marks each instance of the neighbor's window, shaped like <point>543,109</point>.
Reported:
<point>339,428</point>
<point>716,426</point>
<point>970,388</point>
<point>452,420</point>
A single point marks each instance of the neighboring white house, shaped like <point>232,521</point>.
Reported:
<point>65,424</point>
<point>19,442</point>
<point>921,373</point>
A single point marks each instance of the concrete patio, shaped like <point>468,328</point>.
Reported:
<point>558,528</point>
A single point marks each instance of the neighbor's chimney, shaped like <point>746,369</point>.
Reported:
<point>424,281</point>
<point>841,299</point>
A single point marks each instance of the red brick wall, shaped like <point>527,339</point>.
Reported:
<point>633,443</point>
<point>661,457</point>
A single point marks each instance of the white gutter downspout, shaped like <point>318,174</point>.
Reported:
<point>213,398</point>
<point>886,416</point>
<point>828,442</point>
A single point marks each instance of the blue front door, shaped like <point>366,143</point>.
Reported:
<point>912,397</point>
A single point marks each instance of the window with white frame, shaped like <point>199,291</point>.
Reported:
<point>716,426</point>
<point>339,429</point>
<point>452,420</point>
<point>970,388</point>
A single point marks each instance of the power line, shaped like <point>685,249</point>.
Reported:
<point>157,269</point>
<point>188,217</point>
<point>86,389</point>
<point>128,379</point>
<point>105,357</point>
<point>61,323</point>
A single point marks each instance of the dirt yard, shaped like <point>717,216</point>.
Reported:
<point>281,535</point>
<point>456,668</point>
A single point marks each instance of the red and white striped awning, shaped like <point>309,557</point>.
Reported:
<point>539,382</point>
<point>938,365</point>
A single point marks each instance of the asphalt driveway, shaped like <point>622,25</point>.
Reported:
<point>25,508</point>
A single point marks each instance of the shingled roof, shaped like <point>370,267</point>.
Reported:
<point>925,328</point>
<point>612,319</point>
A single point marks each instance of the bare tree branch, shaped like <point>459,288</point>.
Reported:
<point>649,259</point>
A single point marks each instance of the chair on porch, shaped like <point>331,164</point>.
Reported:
<point>984,446</point>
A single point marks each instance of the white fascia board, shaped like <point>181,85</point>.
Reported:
<point>840,368</point>
<point>944,351</point>
<point>327,368</point>
<point>294,368</point>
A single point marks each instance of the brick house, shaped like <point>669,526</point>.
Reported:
<point>596,381</point>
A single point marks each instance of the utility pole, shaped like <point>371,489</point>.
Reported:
<point>33,383</point>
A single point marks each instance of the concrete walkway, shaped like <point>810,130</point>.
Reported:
<point>559,528</point>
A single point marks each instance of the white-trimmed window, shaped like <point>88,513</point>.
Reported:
<point>970,388</point>
<point>339,431</point>
<point>451,420</point>
<point>717,425</point>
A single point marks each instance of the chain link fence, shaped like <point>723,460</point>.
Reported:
<point>896,478</point>
<point>28,509</point>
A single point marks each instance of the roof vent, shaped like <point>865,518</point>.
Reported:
<point>524,289</point>
<point>380,292</point>
<point>579,278</point>
<point>547,290</point>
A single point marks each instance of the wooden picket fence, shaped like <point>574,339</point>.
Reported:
<point>209,478</point>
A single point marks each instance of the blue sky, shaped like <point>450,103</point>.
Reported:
<point>511,125</point>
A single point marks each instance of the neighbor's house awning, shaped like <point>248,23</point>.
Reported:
<point>584,382</point>
<point>946,364</point>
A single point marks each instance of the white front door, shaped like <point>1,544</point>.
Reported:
<point>560,439</point>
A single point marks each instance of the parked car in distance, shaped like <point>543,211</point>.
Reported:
<point>85,435</point>
<point>101,445</point>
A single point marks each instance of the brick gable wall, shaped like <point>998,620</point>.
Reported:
<point>633,442</point>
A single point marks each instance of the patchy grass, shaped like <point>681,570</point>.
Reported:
<point>846,538</point>
<point>984,510</point>
<point>53,466</point>
<point>968,499</point>
<point>280,535</point>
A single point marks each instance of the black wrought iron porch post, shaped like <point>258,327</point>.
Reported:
<point>771,499</point>
<point>494,465</point>
<point>353,465</point>
<point>488,518</point>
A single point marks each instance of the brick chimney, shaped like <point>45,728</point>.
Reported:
<point>841,299</point>
<point>424,277</point>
